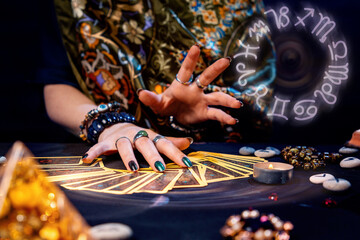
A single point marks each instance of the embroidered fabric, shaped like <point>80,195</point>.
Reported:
<point>116,47</point>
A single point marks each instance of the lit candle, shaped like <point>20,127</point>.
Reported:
<point>273,173</point>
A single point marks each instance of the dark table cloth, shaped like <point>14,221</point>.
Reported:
<point>200,213</point>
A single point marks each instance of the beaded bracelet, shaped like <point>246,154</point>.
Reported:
<point>94,113</point>
<point>105,120</point>
<point>102,117</point>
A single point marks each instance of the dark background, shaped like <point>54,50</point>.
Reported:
<point>25,25</point>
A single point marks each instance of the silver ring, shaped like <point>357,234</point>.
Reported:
<point>198,83</point>
<point>157,138</point>
<point>184,83</point>
<point>140,134</point>
<point>119,139</point>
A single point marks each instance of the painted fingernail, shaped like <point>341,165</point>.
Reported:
<point>237,121</point>
<point>197,44</point>
<point>138,91</point>
<point>230,58</point>
<point>159,166</point>
<point>191,140</point>
<point>85,156</point>
<point>187,161</point>
<point>133,166</point>
<point>241,104</point>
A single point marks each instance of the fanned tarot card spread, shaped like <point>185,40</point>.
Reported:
<point>208,167</point>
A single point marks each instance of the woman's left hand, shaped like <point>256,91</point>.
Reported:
<point>188,103</point>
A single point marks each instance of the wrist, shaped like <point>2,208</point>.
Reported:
<point>101,118</point>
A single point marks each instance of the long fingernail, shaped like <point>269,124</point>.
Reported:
<point>191,140</point>
<point>138,91</point>
<point>230,58</point>
<point>187,161</point>
<point>159,166</point>
<point>197,44</point>
<point>133,166</point>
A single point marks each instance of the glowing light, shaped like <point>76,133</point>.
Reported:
<point>51,196</point>
<point>271,166</point>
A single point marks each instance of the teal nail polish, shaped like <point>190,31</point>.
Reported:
<point>187,161</point>
<point>159,166</point>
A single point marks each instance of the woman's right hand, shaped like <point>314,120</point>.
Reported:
<point>120,138</point>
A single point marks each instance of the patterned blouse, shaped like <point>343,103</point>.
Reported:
<point>116,47</point>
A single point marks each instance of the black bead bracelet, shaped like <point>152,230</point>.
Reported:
<point>105,120</point>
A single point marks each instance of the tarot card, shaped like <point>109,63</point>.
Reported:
<point>162,184</point>
<point>59,172</point>
<point>73,160</point>
<point>220,168</point>
<point>92,181</point>
<point>102,185</point>
<point>78,175</point>
<point>124,188</point>
<point>86,179</point>
<point>231,166</point>
<point>244,167</point>
<point>231,156</point>
<point>189,178</point>
<point>212,175</point>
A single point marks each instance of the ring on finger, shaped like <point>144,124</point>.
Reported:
<point>184,83</point>
<point>119,139</point>
<point>198,83</point>
<point>157,138</point>
<point>140,134</point>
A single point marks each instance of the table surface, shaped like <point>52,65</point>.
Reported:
<point>200,213</point>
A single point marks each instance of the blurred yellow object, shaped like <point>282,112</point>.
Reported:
<point>33,208</point>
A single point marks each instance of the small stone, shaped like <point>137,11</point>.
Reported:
<point>277,151</point>
<point>264,153</point>
<point>111,231</point>
<point>337,184</point>
<point>246,151</point>
<point>2,159</point>
<point>347,150</point>
<point>320,178</point>
<point>350,162</point>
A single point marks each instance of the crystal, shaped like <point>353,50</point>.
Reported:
<point>31,207</point>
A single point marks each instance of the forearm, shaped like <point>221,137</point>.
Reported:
<point>66,105</point>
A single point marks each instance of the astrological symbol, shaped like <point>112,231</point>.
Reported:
<point>247,50</point>
<point>242,82</point>
<point>324,23</point>
<point>334,45</point>
<point>327,93</point>
<point>311,110</point>
<point>336,74</point>
<point>311,12</point>
<point>282,16</point>
<point>260,92</point>
<point>259,29</point>
<point>281,108</point>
